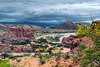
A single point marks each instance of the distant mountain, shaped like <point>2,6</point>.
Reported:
<point>66,25</point>
<point>30,23</point>
<point>88,24</point>
<point>32,27</point>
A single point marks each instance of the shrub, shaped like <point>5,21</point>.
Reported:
<point>36,54</point>
<point>83,30</point>
<point>67,46</point>
<point>59,45</point>
<point>18,60</point>
<point>34,46</point>
<point>66,55</point>
<point>61,48</point>
<point>43,40</point>
<point>4,63</point>
<point>46,46</point>
<point>47,56</point>
<point>82,47</point>
<point>14,57</point>
<point>42,61</point>
<point>49,50</point>
<point>42,49</point>
<point>55,48</point>
<point>26,54</point>
<point>5,55</point>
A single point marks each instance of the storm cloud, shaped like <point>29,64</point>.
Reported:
<point>48,11</point>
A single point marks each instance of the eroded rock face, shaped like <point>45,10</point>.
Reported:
<point>72,40</point>
<point>18,34</point>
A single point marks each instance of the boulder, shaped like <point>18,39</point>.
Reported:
<point>74,44</point>
<point>72,40</point>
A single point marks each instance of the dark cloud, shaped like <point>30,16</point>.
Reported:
<point>48,11</point>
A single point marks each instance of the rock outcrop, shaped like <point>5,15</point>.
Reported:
<point>66,25</point>
<point>75,40</point>
<point>17,34</point>
<point>72,40</point>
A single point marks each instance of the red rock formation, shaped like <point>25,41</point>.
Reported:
<point>18,34</point>
<point>73,40</point>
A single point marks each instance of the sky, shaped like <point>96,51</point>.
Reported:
<point>48,11</point>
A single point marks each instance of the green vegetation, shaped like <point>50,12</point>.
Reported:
<point>67,46</point>
<point>4,63</point>
<point>53,31</point>
<point>5,55</point>
<point>53,39</point>
<point>22,43</point>
<point>66,55</point>
<point>47,56</point>
<point>42,61</point>
<point>15,57</point>
<point>90,55</point>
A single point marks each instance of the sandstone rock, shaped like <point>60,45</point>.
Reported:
<point>74,44</point>
<point>73,40</point>
<point>17,34</point>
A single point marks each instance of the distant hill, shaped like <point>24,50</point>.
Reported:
<point>66,25</point>
<point>32,27</point>
<point>88,24</point>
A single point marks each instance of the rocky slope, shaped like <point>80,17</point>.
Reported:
<point>66,25</point>
<point>6,26</point>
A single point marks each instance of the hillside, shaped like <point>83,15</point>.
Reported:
<point>32,27</point>
<point>66,25</point>
<point>88,24</point>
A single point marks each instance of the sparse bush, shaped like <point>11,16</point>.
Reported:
<point>42,61</point>
<point>66,55</point>
<point>55,48</point>
<point>26,54</point>
<point>43,40</point>
<point>5,55</point>
<point>14,57</point>
<point>59,45</point>
<point>61,48</point>
<point>18,60</point>
<point>49,50</point>
<point>36,54</point>
<point>67,46</point>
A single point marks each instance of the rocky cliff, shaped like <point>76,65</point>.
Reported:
<point>17,34</point>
